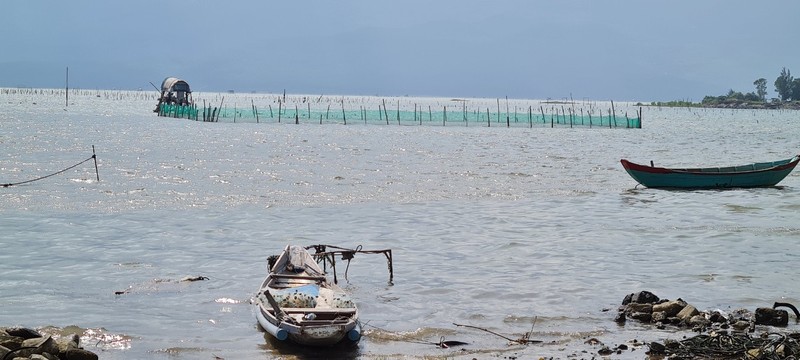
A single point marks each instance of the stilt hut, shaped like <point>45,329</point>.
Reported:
<point>174,91</point>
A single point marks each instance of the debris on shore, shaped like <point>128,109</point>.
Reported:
<point>721,334</point>
<point>20,342</point>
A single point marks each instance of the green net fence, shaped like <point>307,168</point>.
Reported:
<point>443,117</point>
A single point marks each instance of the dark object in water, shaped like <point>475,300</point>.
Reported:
<point>790,306</point>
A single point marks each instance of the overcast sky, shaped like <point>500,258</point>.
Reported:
<point>627,50</point>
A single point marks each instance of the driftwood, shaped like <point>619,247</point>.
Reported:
<point>524,340</point>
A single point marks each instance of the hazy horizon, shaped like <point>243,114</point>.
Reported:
<point>623,50</point>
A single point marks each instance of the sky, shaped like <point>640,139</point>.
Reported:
<point>624,50</point>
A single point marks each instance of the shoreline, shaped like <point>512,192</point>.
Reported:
<point>738,105</point>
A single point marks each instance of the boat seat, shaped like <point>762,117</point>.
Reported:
<point>344,311</point>
<point>303,277</point>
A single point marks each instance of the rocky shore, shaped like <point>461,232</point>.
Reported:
<point>17,343</point>
<point>720,334</point>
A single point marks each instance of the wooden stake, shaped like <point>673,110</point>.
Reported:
<point>94,156</point>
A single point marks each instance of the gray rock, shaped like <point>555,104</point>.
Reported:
<point>641,316</point>
<point>642,297</point>
<point>687,312</point>
<point>44,344</point>
<point>73,342</point>
<point>79,354</point>
<point>3,351</point>
<point>639,308</point>
<point>699,320</point>
<point>10,342</point>
<point>45,356</point>
<point>659,317</point>
<point>656,348</point>
<point>24,333</point>
<point>670,308</point>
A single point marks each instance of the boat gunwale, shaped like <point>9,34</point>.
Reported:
<point>789,163</point>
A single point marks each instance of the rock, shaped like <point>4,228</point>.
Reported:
<point>3,351</point>
<point>24,333</point>
<point>10,342</point>
<point>670,308</point>
<point>717,317</point>
<point>741,314</point>
<point>605,351</point>
<point>641,316</point>
<point>620,318</point>
<point>699,321</point>
<point>642,297</point>
<point>659,317</point>
<point>638,307</point>
<point>41,345</point>
<point>740,325</point>
<point>79,354</point>
<point>66,344</point>
<point>772,317</point>
<point>687,312</point>
<point>656,348</point>
<point>45,356</point>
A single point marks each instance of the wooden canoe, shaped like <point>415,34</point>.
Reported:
<point>297,303</point>
<point>759,174</point>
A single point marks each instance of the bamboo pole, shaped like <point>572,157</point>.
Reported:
<point>94,156</point>
<point>613,112</point>
<point>530,115</point>
<point>498,110</point>
<point>508,121</point>
<point>385,112</point>
<point>544,119</point>
<point>344,117</point>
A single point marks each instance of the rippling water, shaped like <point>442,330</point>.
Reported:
<point>506,229</point>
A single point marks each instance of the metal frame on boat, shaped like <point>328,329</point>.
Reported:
<point>743,176</point>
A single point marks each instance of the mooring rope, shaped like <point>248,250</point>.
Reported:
<point>94,156</point>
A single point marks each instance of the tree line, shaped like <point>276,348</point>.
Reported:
<point>786,86</point>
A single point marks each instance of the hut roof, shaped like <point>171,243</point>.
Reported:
<point>174,84</point>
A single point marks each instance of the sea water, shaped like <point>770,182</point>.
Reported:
<point>509,229</point>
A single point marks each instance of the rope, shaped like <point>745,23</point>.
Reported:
<point>53,174</point>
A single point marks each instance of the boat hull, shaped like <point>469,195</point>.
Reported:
<point>312,335</point>
<point>297,303</point>
<point>743,176</point>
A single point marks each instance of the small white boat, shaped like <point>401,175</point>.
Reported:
<point>296,302</point>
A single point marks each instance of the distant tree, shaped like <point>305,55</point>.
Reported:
<point>734,95</point>
<point>751,96</point>
<point>783,85</point>
<point>795,89</point>
<point>761,88</point>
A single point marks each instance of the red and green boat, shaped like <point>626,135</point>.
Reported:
<point>760,174</point>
